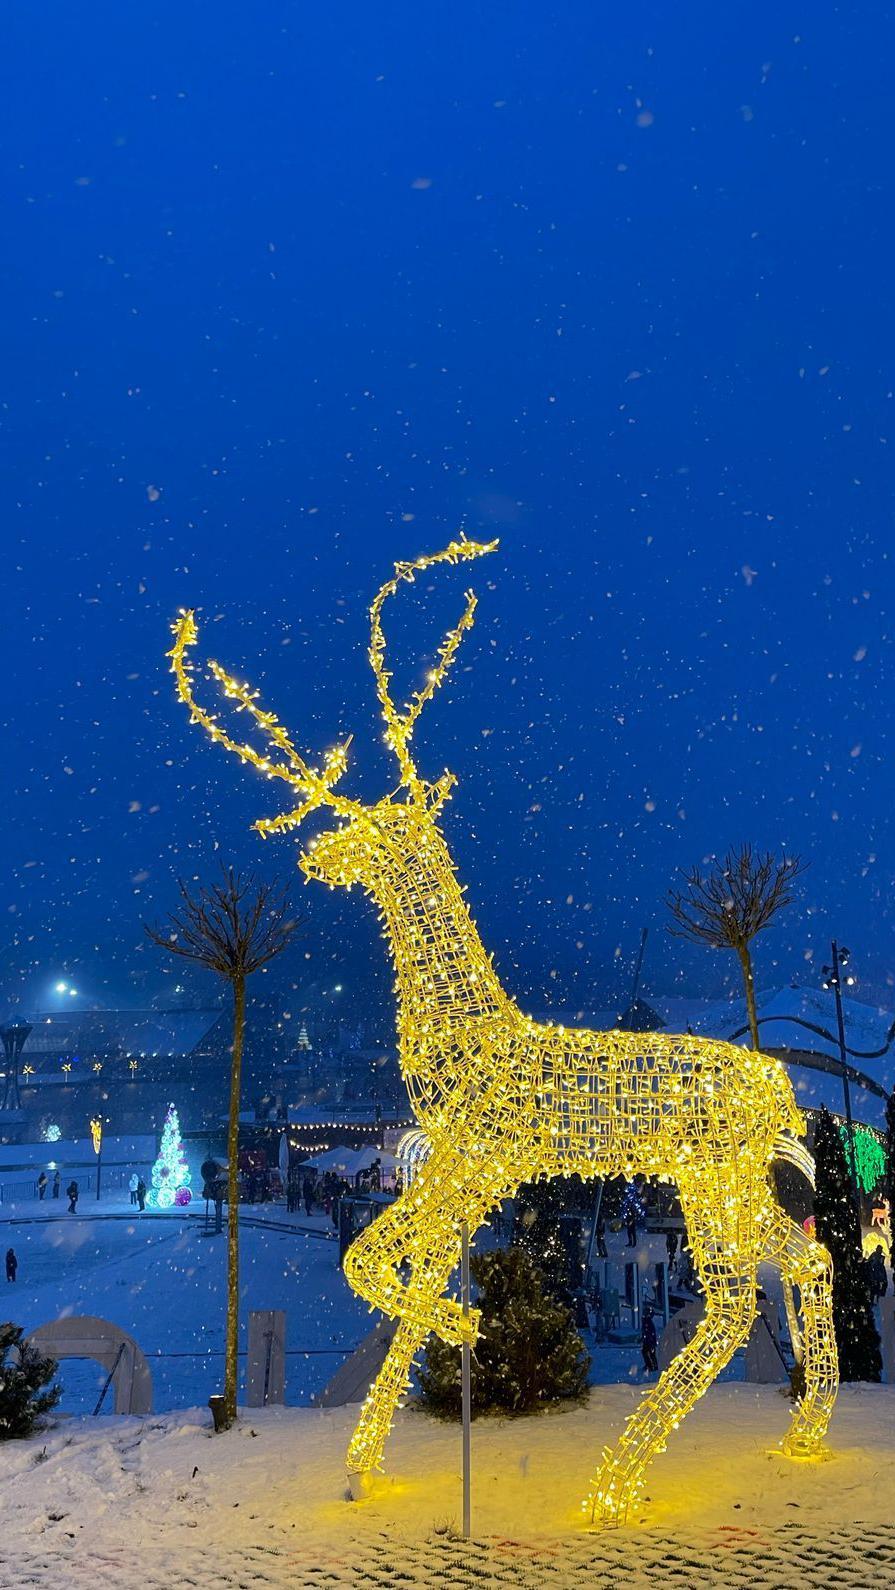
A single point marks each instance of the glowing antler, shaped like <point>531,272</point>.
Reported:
<point>399,726</point>
<point>317,787</point>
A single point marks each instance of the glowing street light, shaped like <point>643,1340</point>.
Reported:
<point>96,1132</point>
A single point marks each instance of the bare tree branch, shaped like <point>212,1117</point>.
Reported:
<point>732,901</point>
<point>233,927</point>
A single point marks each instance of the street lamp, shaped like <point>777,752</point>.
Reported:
<point>14,1037</point>
<point>833,979</point>
<point>96,1132</point>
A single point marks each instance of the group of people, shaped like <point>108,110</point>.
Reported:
<point>137,1190</point>
<point>321,1193</point>
<point>43,1181</point>
<point>72,1193</point>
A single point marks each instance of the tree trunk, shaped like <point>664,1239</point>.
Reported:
<point>231,1369</point>
<point>749,984</point>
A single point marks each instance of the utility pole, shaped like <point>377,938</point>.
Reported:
<point>635,987</point>
<point>466,1384</point>
<point>833,979</point>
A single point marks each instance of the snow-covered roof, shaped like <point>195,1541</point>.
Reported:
<point>129,1032</point>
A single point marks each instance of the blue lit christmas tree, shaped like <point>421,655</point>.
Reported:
<point>170,1176</point>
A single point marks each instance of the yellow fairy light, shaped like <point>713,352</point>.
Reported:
<point>96,1132</point>
<point>502,1098</point>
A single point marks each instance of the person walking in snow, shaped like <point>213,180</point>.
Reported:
<point>12,1264</point>
<point>42,1185</point>
<point>57,1180</point>
<point>632,1212</point>
<point>602,1250</point>
<point>141,1194</point>
<point>671,1246</point>
<point>307,1192</point>
<point>876,1275</point>
<point>133,1184</point>
<point>649,1341</point>
<point>71,1193</point>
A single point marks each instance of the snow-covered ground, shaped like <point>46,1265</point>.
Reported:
<point>162,1502</point>
<point>160,1278</point>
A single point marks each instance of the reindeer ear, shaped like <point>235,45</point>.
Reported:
<point>439,792</point>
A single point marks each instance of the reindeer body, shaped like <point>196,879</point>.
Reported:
<point>597,1103</point>
<point>504,1099</point>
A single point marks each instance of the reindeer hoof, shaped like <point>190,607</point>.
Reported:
<point>602,1513</point>
<point>802,1449</point>
<point>470,1324</point>
<point>455,1328</point>
<point>360,1484</point>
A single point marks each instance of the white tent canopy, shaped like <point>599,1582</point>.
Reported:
<point>348,1161</point>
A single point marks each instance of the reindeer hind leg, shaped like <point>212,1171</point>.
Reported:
<point>806,1264</point>
<point>724,1240</point>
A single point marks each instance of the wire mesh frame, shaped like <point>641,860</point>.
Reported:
<point>503,1099</point>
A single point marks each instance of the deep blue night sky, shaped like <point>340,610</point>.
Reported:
<point>290,292</point>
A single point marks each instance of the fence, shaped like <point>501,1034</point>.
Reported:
<point>114,1178</point>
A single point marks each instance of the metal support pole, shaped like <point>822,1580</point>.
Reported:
<point>466,1383</point>
<point>843,1058</point>
<point>843,1061</point>
<point>598,1204</point>
<point>99,1167</point>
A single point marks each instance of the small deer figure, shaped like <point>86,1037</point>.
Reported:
<point>503,1098</point>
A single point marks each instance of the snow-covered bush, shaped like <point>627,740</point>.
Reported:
<point>528,1355</point>
<point>24,1372</point>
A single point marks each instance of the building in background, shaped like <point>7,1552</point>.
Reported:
<point>123,1065</point>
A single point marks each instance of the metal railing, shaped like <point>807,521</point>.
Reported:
<point>115,1178</point>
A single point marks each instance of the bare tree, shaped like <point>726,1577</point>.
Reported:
<point>234,928</point>
<point>730,902</point>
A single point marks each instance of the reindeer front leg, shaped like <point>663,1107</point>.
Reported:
<point>421,1230</point>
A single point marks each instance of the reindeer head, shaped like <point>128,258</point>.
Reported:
<point>368,838</point>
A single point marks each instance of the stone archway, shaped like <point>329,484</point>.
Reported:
<point>87,1336</point>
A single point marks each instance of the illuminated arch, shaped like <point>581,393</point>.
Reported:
<point>412,1152</point>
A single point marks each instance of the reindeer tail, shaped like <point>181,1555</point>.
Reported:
<point>789,1148</point>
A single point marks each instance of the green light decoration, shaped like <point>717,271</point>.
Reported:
<point>870,1157</point>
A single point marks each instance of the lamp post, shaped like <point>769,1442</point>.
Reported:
<point>96,1132</point>
<point>14,1037</point>
<point>833,979</point>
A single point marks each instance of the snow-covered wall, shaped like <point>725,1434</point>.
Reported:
<point>140,1150</point>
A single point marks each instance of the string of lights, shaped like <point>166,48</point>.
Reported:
<point>503,1099</point>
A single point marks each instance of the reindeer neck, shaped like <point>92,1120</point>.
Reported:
<point>443,972</point>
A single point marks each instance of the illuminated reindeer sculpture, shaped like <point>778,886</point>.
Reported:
<point>503,1098</point>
